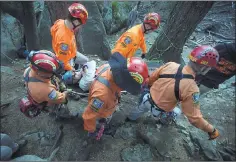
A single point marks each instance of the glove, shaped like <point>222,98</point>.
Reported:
<point>62,87</point>
<point>214,134</point>
<point>143,56</point>
<point>68,91</point>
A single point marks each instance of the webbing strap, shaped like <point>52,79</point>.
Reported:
<point>178,76</point>
<point>101,79</point>
<point>30,79</point>
<point>186,76</point>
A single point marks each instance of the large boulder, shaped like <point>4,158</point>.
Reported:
<point>92,36</point>
<point>45,38</point>
<point>12,34</point>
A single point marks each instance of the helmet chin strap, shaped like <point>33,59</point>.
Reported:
<point>145,30</point>
<point>203,70</point>
<point>44,77</point>
<point>74,26</point>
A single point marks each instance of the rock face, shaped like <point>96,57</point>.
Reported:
<point>12,33</point>
<point>92,36</point>
<point>115,14</point>
<point>208,148</point>
<point>137,153</point>
<point>12,36</point>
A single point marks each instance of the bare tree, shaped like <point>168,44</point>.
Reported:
<point>24,12</point>
<point>182,21</point>
<point>58,10</point>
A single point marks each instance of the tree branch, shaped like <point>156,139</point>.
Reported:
<point>220,35</point>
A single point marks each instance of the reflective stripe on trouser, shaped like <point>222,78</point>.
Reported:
<point>80,59</point>
<point>145,106</point>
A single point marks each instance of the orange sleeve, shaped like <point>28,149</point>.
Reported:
<point>91,113</point>
<point>191,108</point>
<point>55,97</point>
<point>63,51</point>
<point>143,46</point>
<point>124,44</point>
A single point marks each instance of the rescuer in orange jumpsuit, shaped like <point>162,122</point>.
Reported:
<point>172,83</point>
<point>133,39</point>
<point>105,91</point>
<point>43,87</point>
<point>63,36</point>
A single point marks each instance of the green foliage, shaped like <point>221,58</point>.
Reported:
<point>115,6</point>
<point>127,5</point>
<point>115,10</point>
<point>118,9</point>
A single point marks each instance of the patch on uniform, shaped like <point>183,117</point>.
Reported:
<point>53,95</point>
<point>123,44</point>
<point>96,104</point>
<point>64,47</point>
<point>196,97</point>
<point>62,53</point>
<point>127,40</point>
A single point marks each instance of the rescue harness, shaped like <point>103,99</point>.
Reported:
<point>177,76</point>
<point>28,106</point>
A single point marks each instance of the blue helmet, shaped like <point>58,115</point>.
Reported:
<point>68,77</point>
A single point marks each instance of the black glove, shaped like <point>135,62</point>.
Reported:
<point>143,56</point>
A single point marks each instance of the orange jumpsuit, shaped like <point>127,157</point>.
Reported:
<point>63,43</point>
<point>102,100</point>
<point>130,41</point>
<point>162,93</point>
<point>44,91</point>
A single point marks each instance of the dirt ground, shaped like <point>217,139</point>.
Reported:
<point>178,142</point>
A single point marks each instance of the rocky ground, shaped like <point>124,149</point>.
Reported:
<point>143,140</point>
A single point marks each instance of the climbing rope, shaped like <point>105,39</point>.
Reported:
<point>170,45</point>
<point>163,51</point>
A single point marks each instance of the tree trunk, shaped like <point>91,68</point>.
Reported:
<point>182,21</point>
<point>30,26</point>
<point>24,12</point>
<point>58,10</point>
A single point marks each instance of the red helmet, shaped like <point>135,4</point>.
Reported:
<point>138,69</point>
<point>78,11</point>
<point>205,55</point>
<point>44,60</point>
<point>153,19</point>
